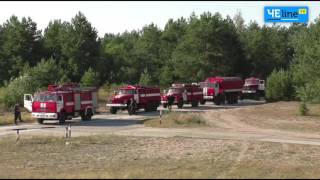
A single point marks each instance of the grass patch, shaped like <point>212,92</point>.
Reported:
<point>149,157</point>
<point>176,119</point>
<point>8,117</point>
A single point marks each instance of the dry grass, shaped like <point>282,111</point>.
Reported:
<point>146,157</point>
<point>8,117</point>
<point>175,119</point>
<point>280,115</point>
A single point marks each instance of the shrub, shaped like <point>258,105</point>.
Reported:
<point>17,88</point>
<point>279,86</point>
<point>145,78</point>
<point>89,78</point>
<point>303,109</point>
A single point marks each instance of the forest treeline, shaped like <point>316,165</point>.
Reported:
<point>186,50</point>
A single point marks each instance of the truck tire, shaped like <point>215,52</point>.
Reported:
<point>155,107</point>
<point>113,110</point>
<point>89,115</point>
<point>62,118</point>
<point>217,100</point>
<point>180,104</point>
<point>203,102</point>
<point>40,121</point>
<point>165,105</point>
<point>194,103</point>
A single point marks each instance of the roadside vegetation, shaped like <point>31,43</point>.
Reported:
<point>150,157</point>
<point>177,119</point>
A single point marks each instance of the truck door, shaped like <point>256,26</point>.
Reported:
<point>184,95</point>
<point>261,85</point>
<point>216,89</point>
<point>59,103</point>
<point>95,99</point>
<point>27,102</point>
<point>136,96</point>
<point>77,102</point>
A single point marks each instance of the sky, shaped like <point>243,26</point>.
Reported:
<point>119,16</point>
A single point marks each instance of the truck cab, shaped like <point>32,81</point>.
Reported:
<point>253,88</point>
<point>183,94</point>
<point>139,96</point>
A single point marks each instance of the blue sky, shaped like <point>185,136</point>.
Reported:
<point>116,17</point>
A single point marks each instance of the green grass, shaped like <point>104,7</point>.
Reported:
<point>176,119</point>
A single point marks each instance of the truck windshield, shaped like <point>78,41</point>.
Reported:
<point>251,82</point>
<point>207,84</point>
<point>126,91</point>
<point>174,91</point>
<point>45,97</point>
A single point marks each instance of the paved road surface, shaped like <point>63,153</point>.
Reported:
<point>123,124</point>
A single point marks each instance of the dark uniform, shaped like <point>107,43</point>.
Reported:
<point>170,102</point>
<point>132,106</point>
<point>17,113</point>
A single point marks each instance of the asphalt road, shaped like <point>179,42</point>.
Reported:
<point>123,124</point>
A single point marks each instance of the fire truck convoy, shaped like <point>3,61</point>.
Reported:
<point>144,97</point>
<point>221,89</point>
<point>184,94</point>
<point>62,103</point>
<point>253,88</point>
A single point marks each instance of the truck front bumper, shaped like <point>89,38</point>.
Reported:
<point>116,105</point>
<point>248,91</point>
<point>207,97</point>
<point>43,115</point>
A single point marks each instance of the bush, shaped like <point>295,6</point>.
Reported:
<point>303,109</point>
<point>145,78</point>
<point>17,88</point>
<point>89,78</point>
<point>279,86</point>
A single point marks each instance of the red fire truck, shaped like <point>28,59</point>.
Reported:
<point>221,89</point>
<point>62,102</point>
<point>253,88</point>
<point>183,94</point>
<point>144,97</point>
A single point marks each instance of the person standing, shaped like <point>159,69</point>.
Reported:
<point>17,113</point>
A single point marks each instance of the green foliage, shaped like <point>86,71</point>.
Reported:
<point>89,78</point>
<point>303,109</point>
<point>310,92</point>
<point>21,44</point>
<point>145,79</point>
<point>17,88</point>
<point>279,86</point>
<point>44,73</point>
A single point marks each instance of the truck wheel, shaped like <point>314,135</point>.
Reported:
<point>40,121</point>
<point>148,108</point>
<point>62,118</point>
<point>194,103</point>
<point>165,105</point>
<point>113,110</point>
<point>180,104</point>
<point>217,100</point>
<point>155,107</point>
<point>203,102</point>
